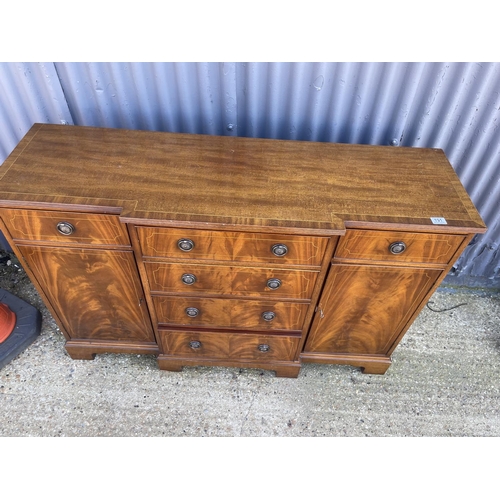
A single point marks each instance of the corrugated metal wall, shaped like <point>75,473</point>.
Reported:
<point>453,106</point>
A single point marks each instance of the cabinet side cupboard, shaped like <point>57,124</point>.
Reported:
<point>230,251</point>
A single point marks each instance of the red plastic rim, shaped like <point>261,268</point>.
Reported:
<point>7,321</point>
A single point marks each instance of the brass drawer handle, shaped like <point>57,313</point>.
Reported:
<point>397,247</point>
<point>195,344</point>
<point>264,347</point>
<point>268,315</point>
<point>185,244</point>
<point>65,228</point>
<point>188,279</point>
<point>192,312</point>
<point>279,249</point>
<point>273,283</point>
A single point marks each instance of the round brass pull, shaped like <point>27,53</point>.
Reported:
<point>268,315</point>
<point>188,279</point>
<point>192,312</point>
<point>185,245</point>
<point>65,228</point>
<point>397,247</point>
<point>273,283</point>
<point>195,344</point>
<point>264,347</point>
<point>279,249</point>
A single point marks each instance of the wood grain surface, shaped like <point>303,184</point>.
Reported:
<point>420,247</point>
<point>230,280</point>
<point>41,225</point>
<point>231,245</point>
<point>229,345</point>
<point>230,313</point>
<point>363,308</point>
<point>235,180</point>
<point>96,292</point>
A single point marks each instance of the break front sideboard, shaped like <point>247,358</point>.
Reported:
<point>228,251</point>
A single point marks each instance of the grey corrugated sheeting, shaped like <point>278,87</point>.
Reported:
<point>452,106</point>
<point>29,93</point>
<point>196,98</point>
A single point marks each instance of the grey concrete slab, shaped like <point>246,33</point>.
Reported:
<point>444,381</point>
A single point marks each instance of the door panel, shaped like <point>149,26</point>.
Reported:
<point>364,308</point>
<point>96,293</point>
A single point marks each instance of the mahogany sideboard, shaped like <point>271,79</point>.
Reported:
<point>229,251</point>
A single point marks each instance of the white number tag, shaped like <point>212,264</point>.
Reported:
<point>438,220</point>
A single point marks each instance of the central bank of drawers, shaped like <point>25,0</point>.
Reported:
<point>227,295</point>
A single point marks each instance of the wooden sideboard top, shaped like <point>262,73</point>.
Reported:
<point>300,186</point>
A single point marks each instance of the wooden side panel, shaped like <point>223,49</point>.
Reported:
<point>364,308</point>
<point>96,293</point>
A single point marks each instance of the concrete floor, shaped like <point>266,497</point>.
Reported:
<point>444,381</point>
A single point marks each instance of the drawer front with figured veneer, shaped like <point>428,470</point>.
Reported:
<point>187,278</point>
<point>230,313</point>
<point>65,227</point>
<point>244,347</point>
<point>231,246</point>
<point>398,246</point>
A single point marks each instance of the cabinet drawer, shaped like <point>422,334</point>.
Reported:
<point>38,225</point>
<point>230,313</point>
<point>230,245</point>
<point>385,245</point>
<point>225,280</point>
<point>229,345</point>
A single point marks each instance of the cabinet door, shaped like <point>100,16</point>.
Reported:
<point>363,309</point>
<point>96,293</point>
